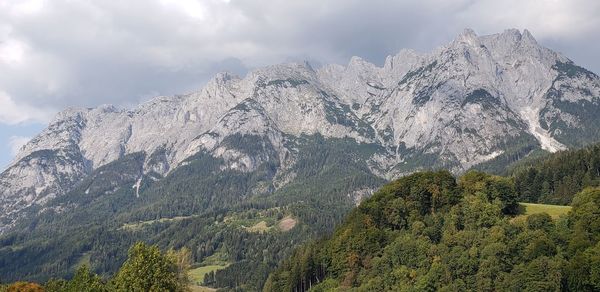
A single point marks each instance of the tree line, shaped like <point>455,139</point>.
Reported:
<point>432,232</point>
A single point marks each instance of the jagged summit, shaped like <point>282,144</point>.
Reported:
<point>479,99</point>
<point>468,36</point>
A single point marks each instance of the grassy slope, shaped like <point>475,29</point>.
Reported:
<point>197,274</point>
<point>553,210</point>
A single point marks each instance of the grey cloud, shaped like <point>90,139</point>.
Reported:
<point>85,53</point>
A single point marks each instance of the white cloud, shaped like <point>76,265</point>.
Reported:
<point>192,8</point>
<point>60,53</point>
<point>11,52</point>
<point>16,142</point>
<point>545,18</point>
<point>22,7</point>
<point>12,113</point>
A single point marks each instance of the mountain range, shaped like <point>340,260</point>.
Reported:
<point>477,102</point>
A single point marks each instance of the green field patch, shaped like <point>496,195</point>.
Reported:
<point>141,224</point>
<point>555,211</point>
<point>256,224</point>
<point>196,288</point>
<point>259,221</point>
<point>197,274</point>
<point>259,227</point>
<point>219,258</point>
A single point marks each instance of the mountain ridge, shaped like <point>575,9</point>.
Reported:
<point>491,96</point>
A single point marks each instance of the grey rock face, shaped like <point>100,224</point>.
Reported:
<point>465,103</point>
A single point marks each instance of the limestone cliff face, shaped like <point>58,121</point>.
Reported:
<point>465,103</point>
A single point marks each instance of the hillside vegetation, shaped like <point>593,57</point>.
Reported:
<point>146,269</point>
<point>248,238</point>
<point>211,211</point>
<point>432,232</point>
<point>556,178</point>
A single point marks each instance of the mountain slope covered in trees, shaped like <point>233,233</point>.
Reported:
<point>220,227</point>
<point>431,232</point>
<point>109,211</point>
<point>556,178</point>
<point>494,98</point>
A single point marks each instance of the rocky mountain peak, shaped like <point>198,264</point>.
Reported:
<point>479,99</point>
<point>400,63</point>
<point>468,35</point>
<point>528,37</point>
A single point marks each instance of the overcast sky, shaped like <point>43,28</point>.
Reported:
<point>60,53</point>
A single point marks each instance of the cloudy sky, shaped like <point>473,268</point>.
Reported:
<point>60,53</point>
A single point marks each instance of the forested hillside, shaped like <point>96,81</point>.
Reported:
<point>556,178</point>
<point>428,231</point>
<point>432,232</point>
<point>212,212</point>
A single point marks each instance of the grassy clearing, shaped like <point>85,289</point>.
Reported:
<point>196,288</point>
<point>259,227</point>
<point>553,210</point>
<point>142,224</point>
<point>250,223</point>
<point>215,262</point>
<point>197,274</point>
<point>285,224</point>
<point>219,258</point>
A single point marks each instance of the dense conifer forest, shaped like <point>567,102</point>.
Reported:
<point>555,179</point>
